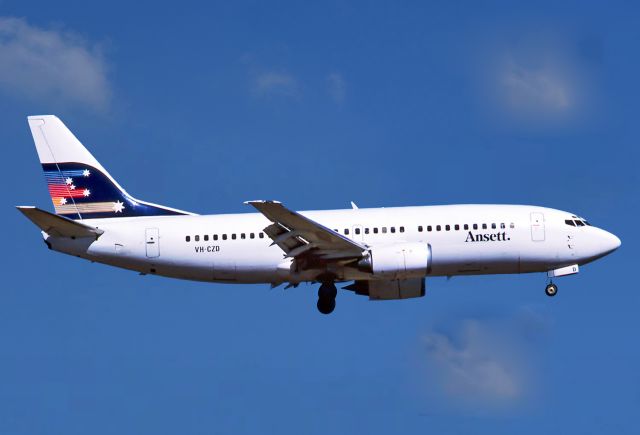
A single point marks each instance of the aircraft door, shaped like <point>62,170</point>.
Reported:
<point>152,242</point>
<point>537,227</point>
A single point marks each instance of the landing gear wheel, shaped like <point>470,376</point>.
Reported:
<point>327,297</point>
<point>326,306</point>
<point>327,290</point>
<point>551,290</point>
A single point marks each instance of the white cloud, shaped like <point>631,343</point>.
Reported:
<point>483,364</point>
<point>337,87</point>
<point>536,89</point>
<point>51,66</point>
<point>472,368</point>
<point>276,83</point>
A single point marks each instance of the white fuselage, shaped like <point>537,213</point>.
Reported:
<point>464,240</point>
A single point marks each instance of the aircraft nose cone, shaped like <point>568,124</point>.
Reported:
<point>611,242</point>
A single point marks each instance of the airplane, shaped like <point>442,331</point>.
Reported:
<point>382,253</point>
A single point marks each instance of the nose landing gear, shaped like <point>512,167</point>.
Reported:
<point>327,297</point>
<point>551,289</point>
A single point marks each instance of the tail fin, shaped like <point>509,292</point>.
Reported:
<point>79,186</point>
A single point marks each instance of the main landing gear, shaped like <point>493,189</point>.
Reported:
<point>327,297</point>
<point>551,289</point>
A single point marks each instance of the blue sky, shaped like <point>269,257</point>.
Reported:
<point>203,106</point>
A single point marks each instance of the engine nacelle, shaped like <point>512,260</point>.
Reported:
<point>398,261</point>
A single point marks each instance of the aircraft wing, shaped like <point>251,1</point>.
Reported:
<point>299,236</point>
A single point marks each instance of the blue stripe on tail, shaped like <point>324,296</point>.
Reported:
<point>80,191</point>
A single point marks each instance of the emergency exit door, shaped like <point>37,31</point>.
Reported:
<point>152,242</point>
<point>537,227</point>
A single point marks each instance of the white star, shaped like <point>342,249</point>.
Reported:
<point>86,192</point>
<point>118,207</point>
<point>68,180</point>
<point>72,187</point>
<point>63,201</point>
<point>86,173</point>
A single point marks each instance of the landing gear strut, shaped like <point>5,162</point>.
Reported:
<point>551,289</point>
<point>327,297</point>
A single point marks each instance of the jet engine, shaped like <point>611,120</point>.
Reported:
<point>397,261</point>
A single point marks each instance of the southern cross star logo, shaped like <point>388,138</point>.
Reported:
<point>68,181</point>
<point>118,206</point>
<point>86,173</point>
<point>86,192</point>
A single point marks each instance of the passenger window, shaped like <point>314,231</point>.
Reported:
<point>261,235</point>
<point>233,236</point>
<point>224,237</point>
<point>475,226</point>
<point>384,230</point>
<point>375,230</point>
<point>512,225</point>
<point>366,230</point>
<point>502,226</point>
<point>494,226</point>
<point>429,228</point>
<point>346,231</point>
<point>456,227</point>
<point>393,229</point>
<point>197,238</point>
<point>187,239</point>
<point>336,231</point>
<point>215,237</point>
<point>242,236</point>
<point>206,237</point>
<point>419,228</point>
<point>357,231</point>
<point>402,229</point>
<point>438,228</point>
<point>484,226</point>
<point>252,236</point>
<point>447,227</point>
<point>466,226</point>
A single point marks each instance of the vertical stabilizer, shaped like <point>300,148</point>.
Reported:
<point>80,187</point>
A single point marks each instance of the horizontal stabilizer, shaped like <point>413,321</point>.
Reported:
<point>60,226</point>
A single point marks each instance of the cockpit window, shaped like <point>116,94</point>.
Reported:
<point>577,221</point>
